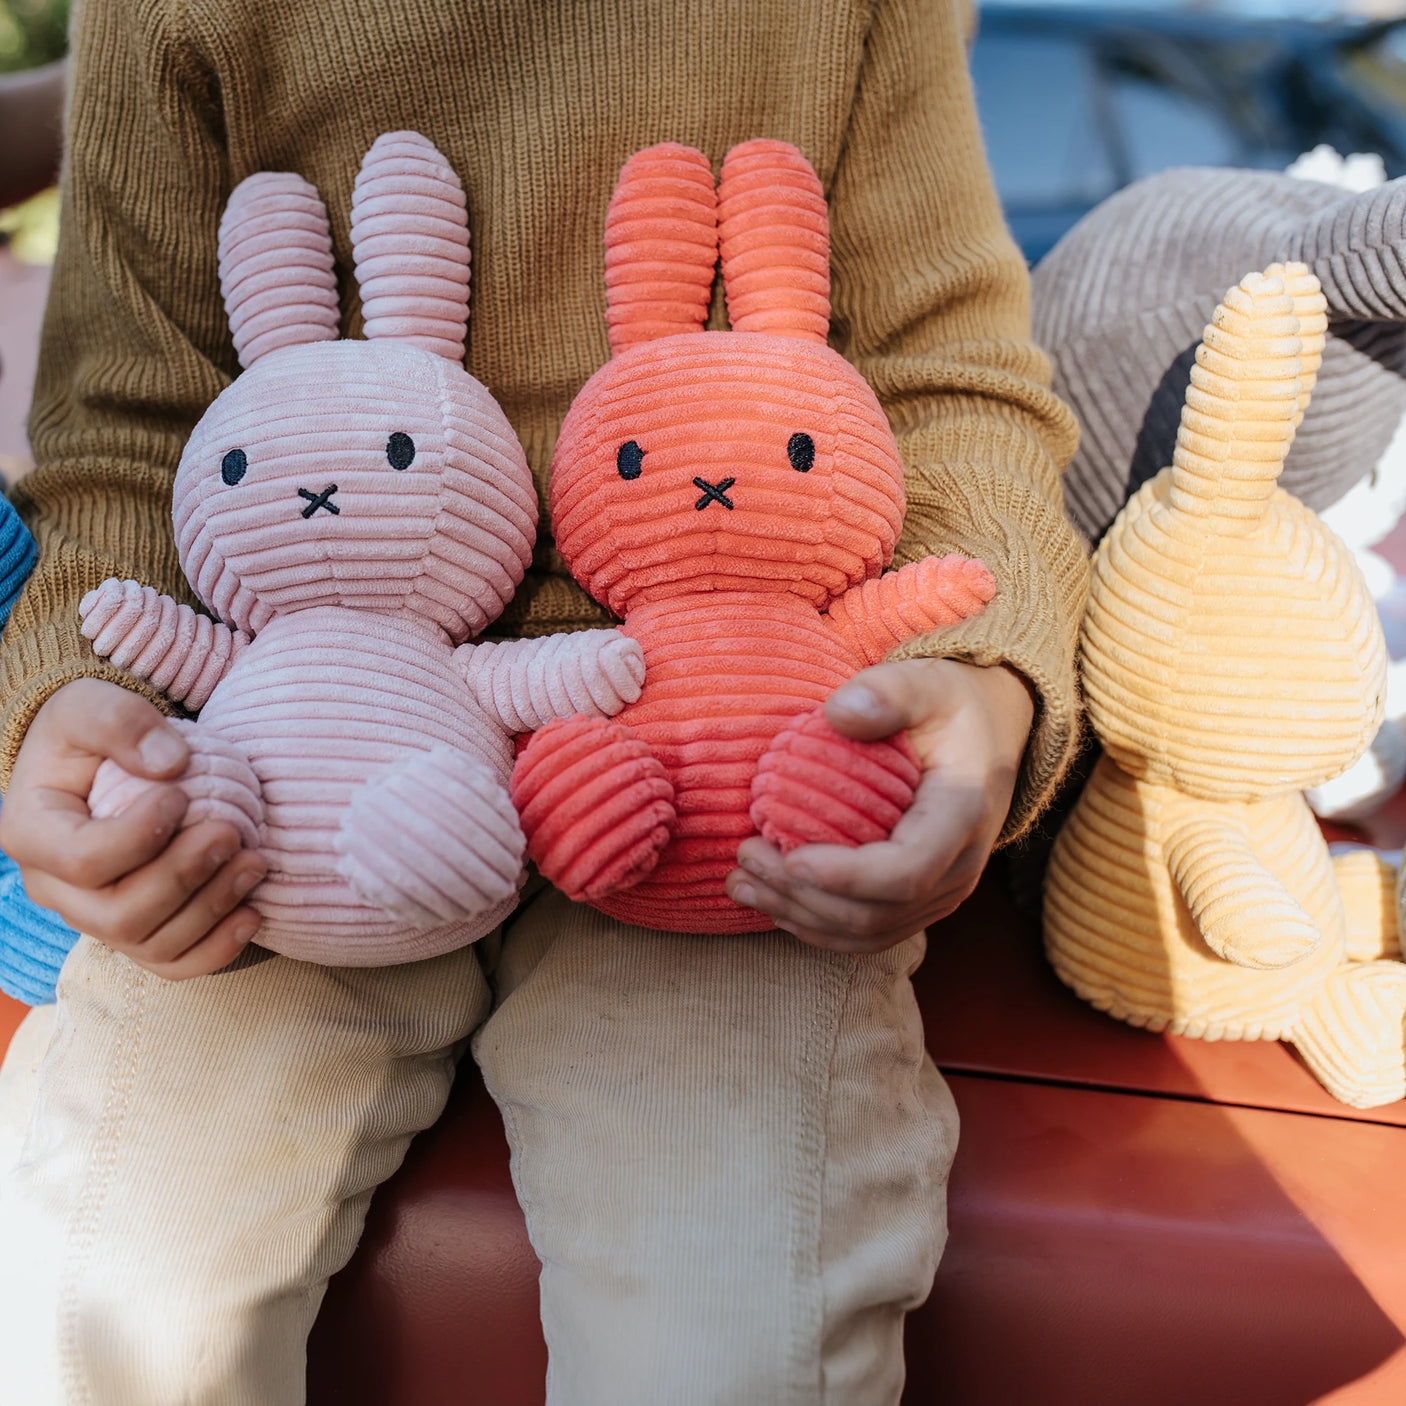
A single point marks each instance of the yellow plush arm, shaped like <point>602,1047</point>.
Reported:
<point>1243,912</point>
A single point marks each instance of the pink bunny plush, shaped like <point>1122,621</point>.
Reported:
<point>352,512</point>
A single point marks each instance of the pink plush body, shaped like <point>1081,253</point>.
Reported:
<point>326,701</point>
<point>353,512</point>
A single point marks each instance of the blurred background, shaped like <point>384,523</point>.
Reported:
<point>31,33</point>
<point>1079,99</point>
<point>32,43</point>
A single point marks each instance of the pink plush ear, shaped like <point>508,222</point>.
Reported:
<point>410,244</point>
<point>774,235</point>
<point>661,246</point>
<point>276,266</point>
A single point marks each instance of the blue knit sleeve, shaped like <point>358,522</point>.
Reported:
<point>17,557</point>
<point>33,941</point>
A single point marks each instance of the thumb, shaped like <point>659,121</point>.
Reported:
<point>879,701</point>
<point>90,719</point>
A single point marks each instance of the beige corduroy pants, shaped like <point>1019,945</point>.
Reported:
<point>732,1154</point>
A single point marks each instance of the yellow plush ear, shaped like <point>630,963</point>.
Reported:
<point>1249,389</point>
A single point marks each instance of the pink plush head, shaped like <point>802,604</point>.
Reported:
<point>374,475</point>
<point>755,459</point>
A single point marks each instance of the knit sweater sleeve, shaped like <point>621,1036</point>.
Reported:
<point>135,342</point>
<point>931,302</point>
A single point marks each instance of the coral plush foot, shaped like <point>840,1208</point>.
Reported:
<point>218,780</point>
<point>1352,1035</point>
<point>432,840</point>
<point>815,786</point>
<point>596,805</point>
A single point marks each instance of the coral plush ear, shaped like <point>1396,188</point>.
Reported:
<point>276,266</point>
<point>410,244</point>
<point>661,246</point>
<point>774,235</point>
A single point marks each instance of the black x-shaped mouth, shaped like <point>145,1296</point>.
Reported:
<point>713,493</point>
<point>324,500</point>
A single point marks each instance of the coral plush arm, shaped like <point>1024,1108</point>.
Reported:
<point>178,651</point>
<point>1243,912</point>
<point>878,615</point>
<point>527,683</point>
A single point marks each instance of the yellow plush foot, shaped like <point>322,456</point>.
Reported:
<point>1352,1035</point>
<point>1367,883</point>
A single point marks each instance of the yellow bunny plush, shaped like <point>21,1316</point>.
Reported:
<point>1231,658</point>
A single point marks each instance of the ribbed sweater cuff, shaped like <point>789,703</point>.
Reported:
<point>34,665</point>
<point>1054,734</point>
<point>1010,522</point>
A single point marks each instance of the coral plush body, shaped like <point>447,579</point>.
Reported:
<point>724,673</point>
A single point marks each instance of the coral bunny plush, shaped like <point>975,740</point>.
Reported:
<point>735,496</point>
<point>352,512</point>
<point>1232,657</point>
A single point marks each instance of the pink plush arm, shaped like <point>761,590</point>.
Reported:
<point>879,615</point>
<point>176,649</point>
<point>527,683</point>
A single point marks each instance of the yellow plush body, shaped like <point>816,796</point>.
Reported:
<point>1231,658</point>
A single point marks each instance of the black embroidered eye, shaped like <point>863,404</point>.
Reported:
<point>629,459</point>
<point>400,450</point>
<point>800,450</point>
<point>232,466</point>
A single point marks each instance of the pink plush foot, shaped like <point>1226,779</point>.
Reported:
<point>432,840</point>
<point>596,805</point>
<point>814,786</point>
<point>218,779</point>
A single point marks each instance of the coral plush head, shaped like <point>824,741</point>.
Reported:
<point>371,475</point>
<point>755,459</point>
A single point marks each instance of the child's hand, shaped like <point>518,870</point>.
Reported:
<point>969,726</point>
<point>168,904</point>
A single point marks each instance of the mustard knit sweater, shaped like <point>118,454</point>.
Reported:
<point>537,103</point>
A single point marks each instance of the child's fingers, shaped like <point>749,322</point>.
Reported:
<point>203,915</point>
<point>217,949</point>
<point>907,868</point>
<point>127,912</point>
<point>50,831</point>
<point>88,720</point>
<point>764,883</point>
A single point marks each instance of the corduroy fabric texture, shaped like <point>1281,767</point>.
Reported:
<point>1120,301</point>
<point>1231,656</point>
<point>761,1139</point>
<point>174,104</point>
<point>358,508</point>
<point>720,490</point>
<point>33,940</point>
